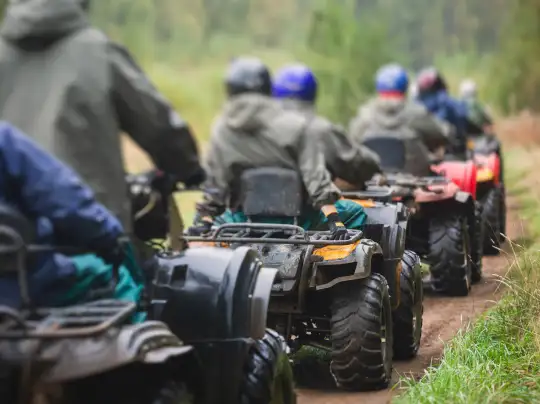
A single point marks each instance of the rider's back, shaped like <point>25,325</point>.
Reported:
<point>399,118</point>
<point>56,86</point>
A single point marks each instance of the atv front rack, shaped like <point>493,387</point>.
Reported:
<point>82,321</point>
<point>240,232</point>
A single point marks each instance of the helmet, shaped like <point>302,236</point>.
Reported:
<point>392,78</point>
<point>430,80</point>
<point>295,81</point>
<point>247,75</point>
<point>467,88</point>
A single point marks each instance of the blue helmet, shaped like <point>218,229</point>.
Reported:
<point>295,81</point>
<point>392,78</point>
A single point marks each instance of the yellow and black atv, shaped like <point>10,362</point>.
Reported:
<point>360,298</point>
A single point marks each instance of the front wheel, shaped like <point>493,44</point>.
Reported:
<point>268,373</point>
<point>362,337</point>
<point>476,234</point>
<point>449,245</point>
<point>408,316</point>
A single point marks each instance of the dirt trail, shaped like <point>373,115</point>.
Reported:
<point>443,317</point>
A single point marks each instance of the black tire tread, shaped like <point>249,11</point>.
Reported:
<point>357,359</point>
<point>268,372</point>
<point>491,211</point>
<point>449,265</point>
<point>477,246</point>
<point>406,343</point>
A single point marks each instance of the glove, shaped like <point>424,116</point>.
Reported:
<point>337,228</point>
<point>201,228</point>
<point>196,179</point>
<point>380,179</point>
<point>116,254</point>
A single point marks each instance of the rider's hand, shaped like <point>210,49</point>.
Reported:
<point>196,179</point>
<point>116,254</point>
<point>337,228</point>
<point>204,226</point>
<point>379,179</point>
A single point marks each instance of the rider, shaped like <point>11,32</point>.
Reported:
<point>72,90</point>
<point>296,87</point>
<point>433,94</point>
<point>477,114</point>
<point>65,213</point>
<point>391,113</point>
<point>255,131</point>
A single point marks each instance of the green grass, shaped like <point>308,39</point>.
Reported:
<point>497,360</point>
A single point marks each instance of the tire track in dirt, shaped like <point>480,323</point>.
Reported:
<point>443,317</point>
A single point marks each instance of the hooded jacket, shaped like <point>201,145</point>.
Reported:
<point>63,209</point>
<point>449,110</point>
<point>406,120</point>
<point>72,90</point>
<point>255,131</point>
<point>355,164</point>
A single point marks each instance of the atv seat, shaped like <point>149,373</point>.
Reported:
<point>271,192</point>
<point>391,151</point>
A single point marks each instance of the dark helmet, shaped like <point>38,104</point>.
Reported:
<point>248,75</point>
<point>430,80</point>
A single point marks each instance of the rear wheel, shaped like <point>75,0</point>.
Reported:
<point>449,255</point>
<point>362,338</point>
<point>477,247</point>
<point>502,214</point>
<point>492,219</point>
<point>408,316</point>
<point>268,373</point>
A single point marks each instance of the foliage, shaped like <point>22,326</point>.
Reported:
<point>498,359</point>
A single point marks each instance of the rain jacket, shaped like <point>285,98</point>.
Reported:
<point>476,113</point>
<point>449,110</point>
<point>353,163</point>
<point>255,131</point>
<point>71,89</point>
<point>65,213</point>
<point>404,119</point>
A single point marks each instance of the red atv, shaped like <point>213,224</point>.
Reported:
<point>491,193</point>
<point>444,228</point>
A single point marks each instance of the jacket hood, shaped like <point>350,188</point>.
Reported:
<point>42,21</point>
<point>434,101</point>
<point>389,113</point>
<point>248,112</point>
<point>303,107</point>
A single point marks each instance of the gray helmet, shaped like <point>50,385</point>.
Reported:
<point>248,75</point>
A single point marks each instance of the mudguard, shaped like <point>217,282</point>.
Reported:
<point>359,261</point>
<point>463,174</point>
<point>490,162</point>
<point>71,359</point>
<point>206,293</point>
<point>436,193</point>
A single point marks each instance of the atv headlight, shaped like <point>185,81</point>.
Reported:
<point>260,301</point>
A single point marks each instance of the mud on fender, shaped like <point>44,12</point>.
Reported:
<point>150,342</point>
<point>358,265</point>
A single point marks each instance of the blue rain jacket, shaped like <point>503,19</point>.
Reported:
<point>65,212</point>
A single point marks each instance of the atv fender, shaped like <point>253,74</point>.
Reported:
<point>463,174</point>
<point>149,342</point>
<point>491,162</point>
<point>436,193</point>
<point>356,266</point>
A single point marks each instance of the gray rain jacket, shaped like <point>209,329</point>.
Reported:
<point>407,120</point>
<point>353,163</point>
<point>72,90</point>
<point>255,131</point>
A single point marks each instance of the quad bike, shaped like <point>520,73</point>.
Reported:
<point>359,298</point>
<point>490,190</point>
<point>445,225</point>
<point>89,353</point>
<point>216,300</point>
